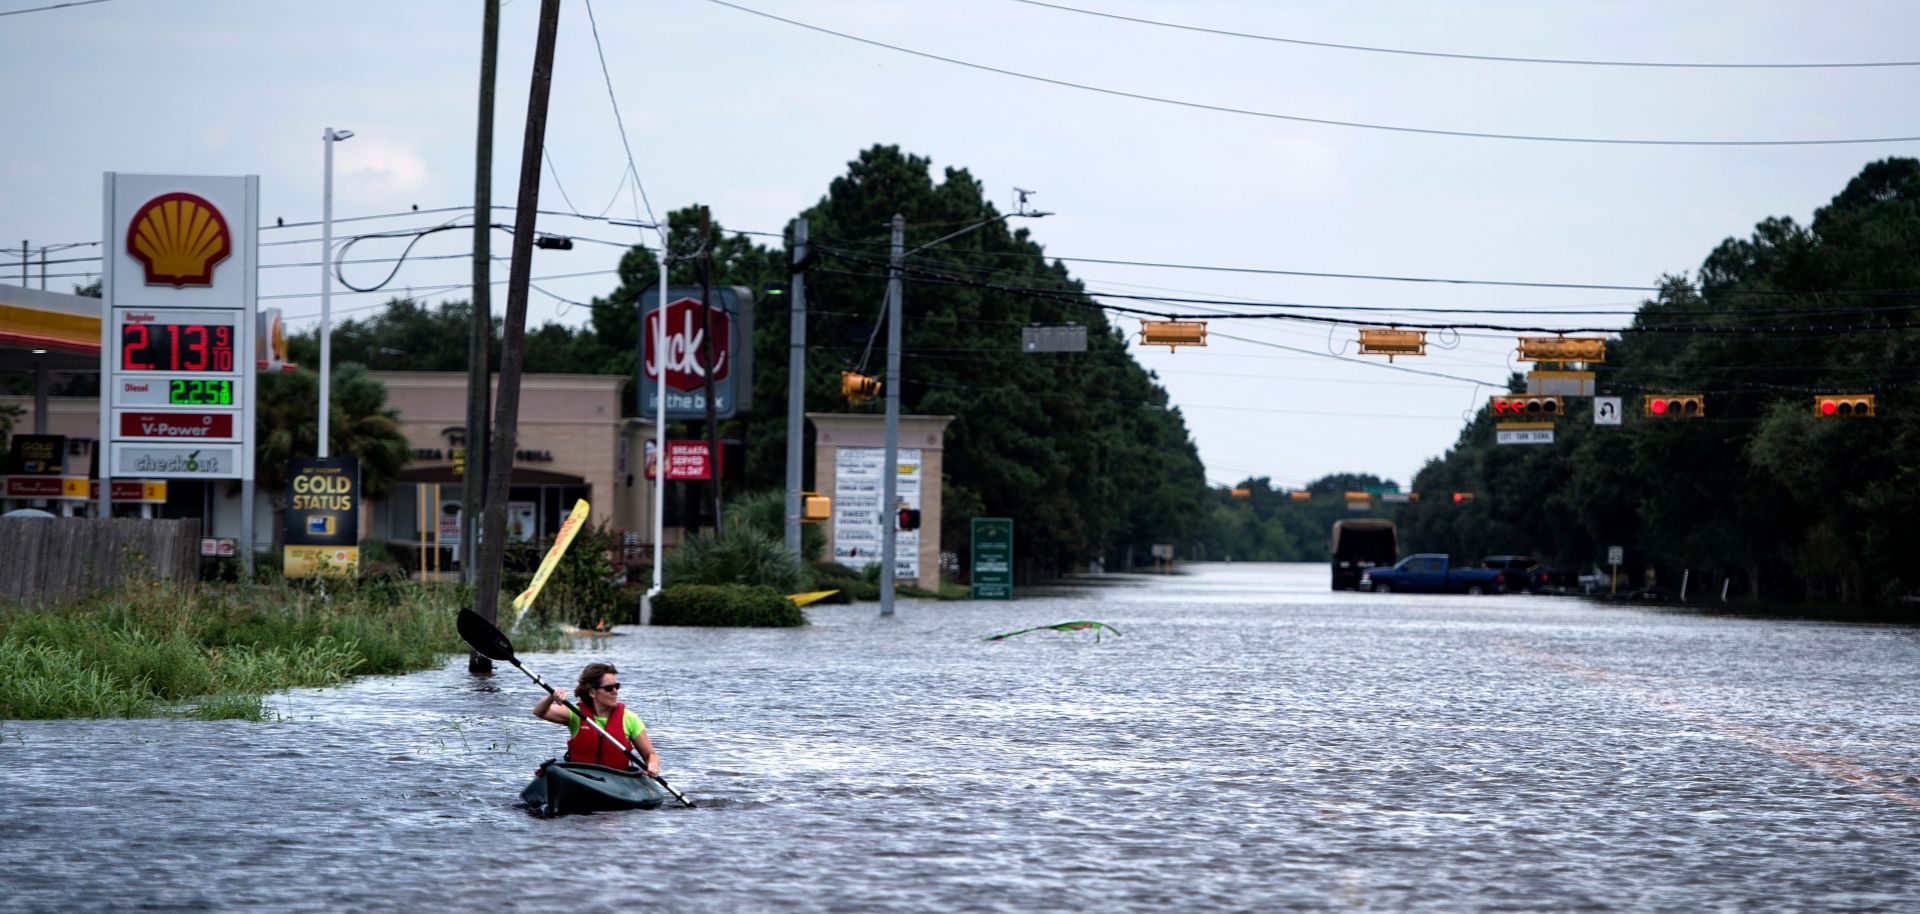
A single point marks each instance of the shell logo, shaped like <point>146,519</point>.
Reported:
<point>179,238</point>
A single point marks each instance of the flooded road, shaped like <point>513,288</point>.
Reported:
<point>1253,743</point>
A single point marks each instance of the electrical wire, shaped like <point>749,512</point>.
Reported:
<point>50,6</point>
<point>1775,330</point>
<point>594,26</point>
<point>1326,122</point>
<point>1486,57</point>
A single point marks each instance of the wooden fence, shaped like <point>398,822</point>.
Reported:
<point>51,560</point>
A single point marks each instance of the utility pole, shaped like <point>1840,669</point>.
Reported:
<point>796,380</point>
<point>473,498</point>
<point>706,363</point>
<point>486,597</point>
<point>889,522</point>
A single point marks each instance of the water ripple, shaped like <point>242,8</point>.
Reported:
<point>1253,742</point>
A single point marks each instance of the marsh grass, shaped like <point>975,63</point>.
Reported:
<point>215,652</point>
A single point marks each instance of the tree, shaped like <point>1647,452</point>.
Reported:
<point>1759,491</point>
<point>361,426</point>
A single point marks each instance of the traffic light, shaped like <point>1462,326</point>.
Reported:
<point>857,387</point>
<point>1383,341</point>
<point>909,519</point>
<point>1843,406</point>
<point>1300,495</point>
<point>1588,349</point>
<point>1173,333</point>
<point>459,461</point>
<point>1675,406</point>
<point>1463,498</point>
<point>815,507</point>
<point>1525,406</point>
<point>1243,493</point>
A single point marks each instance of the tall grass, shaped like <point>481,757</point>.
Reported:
<point>215,651</point>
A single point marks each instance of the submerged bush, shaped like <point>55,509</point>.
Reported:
<point>726,605</point>
<point>215,651</point>
<point>743,556</point>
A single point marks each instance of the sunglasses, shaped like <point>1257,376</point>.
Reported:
<point>609,688</point>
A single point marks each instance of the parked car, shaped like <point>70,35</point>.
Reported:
<point>1523,573</point>
<point>1434,573</point>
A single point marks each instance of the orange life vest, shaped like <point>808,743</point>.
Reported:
<point>590,747</point>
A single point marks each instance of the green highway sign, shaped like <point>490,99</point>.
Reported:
<point>992,577</point>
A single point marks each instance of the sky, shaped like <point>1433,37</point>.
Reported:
<point>754,117</point>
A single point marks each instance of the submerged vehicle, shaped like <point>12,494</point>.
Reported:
<point>1434,573</point>
<point>1361,545</point>
<point>569,787</point>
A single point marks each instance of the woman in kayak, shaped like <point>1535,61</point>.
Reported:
<point>599,695</point>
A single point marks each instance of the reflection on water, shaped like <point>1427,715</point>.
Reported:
<point>1254,742</point>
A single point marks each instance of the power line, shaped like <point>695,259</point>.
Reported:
<point>1460,56</point>
<point>594,26</point>
<point>1706,329</point>
<point>51,6</point>
<point>1383,277</point>
<point>1295,118</point>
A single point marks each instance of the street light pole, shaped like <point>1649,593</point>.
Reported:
<point>889,512</point>
<point>889,468</point>
<point>330,137</point>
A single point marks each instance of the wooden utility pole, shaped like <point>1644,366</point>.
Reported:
<point>706,363</point>
<point>486,597</point>
<point>480,335</point>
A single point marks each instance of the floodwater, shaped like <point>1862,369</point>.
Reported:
<point>1252,743</point>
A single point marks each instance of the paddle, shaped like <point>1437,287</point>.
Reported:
<point>488,640</point>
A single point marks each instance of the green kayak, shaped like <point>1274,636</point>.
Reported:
<point>567,787</point>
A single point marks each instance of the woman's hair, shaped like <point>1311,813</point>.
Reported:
<point>589,684</point>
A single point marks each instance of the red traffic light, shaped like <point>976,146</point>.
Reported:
<point>1674,406</point>
<point>1524,405</point>
<point>1844,406</point>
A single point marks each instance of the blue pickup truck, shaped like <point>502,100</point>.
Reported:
<point>1434,573</point>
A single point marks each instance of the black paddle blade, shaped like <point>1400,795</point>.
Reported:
<point>484,637</point>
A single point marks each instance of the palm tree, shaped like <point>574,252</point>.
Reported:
<point>361,426</point>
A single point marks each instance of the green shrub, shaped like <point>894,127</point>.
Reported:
<point>766,511</point>
<point>214,651</point>
<point>584,589</point>
<point>852,585</point>
<point>726,605</point>
<point>743,556</point>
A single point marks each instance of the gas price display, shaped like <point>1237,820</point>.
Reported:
<point>176,347</point>
<point>195,392</point>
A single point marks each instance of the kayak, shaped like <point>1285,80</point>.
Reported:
<point>568,787</point>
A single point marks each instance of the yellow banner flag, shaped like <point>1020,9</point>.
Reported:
<point>560,543</point>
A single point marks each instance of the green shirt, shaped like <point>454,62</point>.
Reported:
<point>634,726</point>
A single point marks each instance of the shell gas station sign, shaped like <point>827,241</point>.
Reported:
<point>179,326</point>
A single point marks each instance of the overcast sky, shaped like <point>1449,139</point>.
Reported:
<point>754,117</point>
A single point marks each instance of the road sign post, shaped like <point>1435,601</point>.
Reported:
<point>1615,555</point>
<point>992,577</point>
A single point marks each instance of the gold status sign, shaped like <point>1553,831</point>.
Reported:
<point>323,518</point>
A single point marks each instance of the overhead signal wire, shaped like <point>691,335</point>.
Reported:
<point>928,275</point>
<point>1065,300</point>
<point>1379,277</point>
<point>1486,57</point>
<point>1302,119</point>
